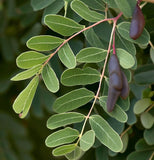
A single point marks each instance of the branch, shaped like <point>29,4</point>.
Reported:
<point>93,25</point>
<point>125,131</point>
<point>151,44</point>
<point>102,75</point>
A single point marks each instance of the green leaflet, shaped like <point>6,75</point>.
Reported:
<point>143,151</point>
<point>141,155</point>
<point>54,8</point>
<point>141,105</point>
<point>63,150</point>
<point>87,140</point>
<point>128,74</point>
<point>116,125</point>
<point>111,3</point>
<point>23,102</point>
<point>100,152</point>
<point>62,136</point>
<point>72,100</point>
<point>143,74</point>
<point>126,60</point>
<point>93,39</point>
<point>82,10</point>
<point>91,55</point>
<point>124,103</point>
<point>95,4</point>
<point>44,43</point>
<point>123,29</point>
<point>62,25</point>
<point>75,154</point>
<point>79,76</point>
<point>148,136</point>
<point>105,133</point>
<point>142,145</point>
<point>131,115</point>
<point>30,59</point>
<point>117,113</point>
<point>67,56</point>
<point>124,139</point>
<point>126,7</point>
<point>147,120</point>
<point>63,119</point>
<point>125,44</point>
<point>26,74</point>
<point>38,5</point>
<point>152,54</point>
<point>103,31</point>
<point>50,79</point>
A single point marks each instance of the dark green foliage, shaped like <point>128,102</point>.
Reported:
<point>65,79</point>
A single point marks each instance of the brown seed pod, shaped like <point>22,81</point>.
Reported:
<point>115,82</point>
<point>125,88</point>
<point>118,84</point>
<point>137,23</point>
<point>113,95</point>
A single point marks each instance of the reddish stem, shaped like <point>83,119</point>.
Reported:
<point>114,48</point>
<point>74,35</point>
<point>102,75</point>
<point>114,25</point>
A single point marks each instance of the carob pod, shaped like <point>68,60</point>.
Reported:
<point>137,23</point>
<point>125,88</point>
<point>118,85</point>
<point>115,82</point>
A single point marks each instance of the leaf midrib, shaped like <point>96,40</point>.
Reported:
<point>83,97</point>
<point>62,24</point>
<point>104,131</point>
<point>82,74</point>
